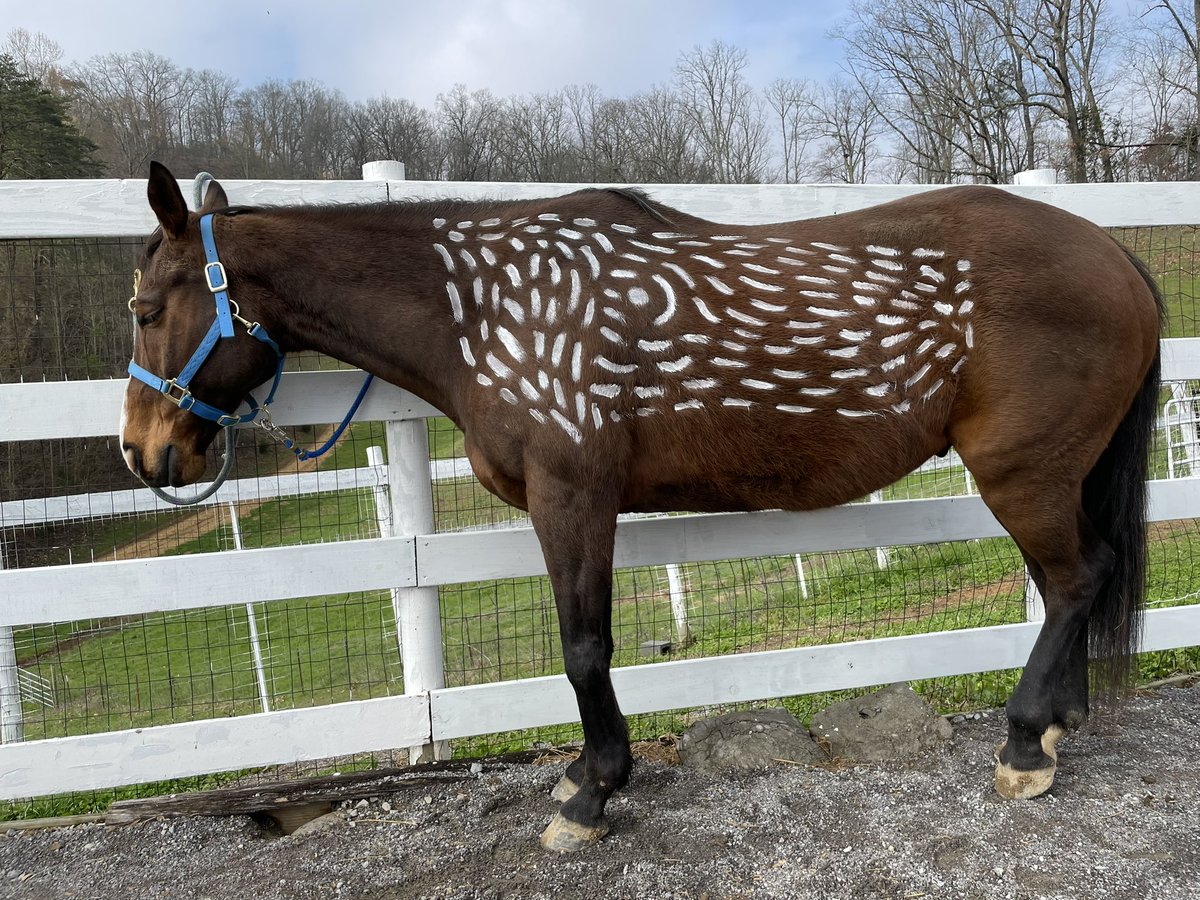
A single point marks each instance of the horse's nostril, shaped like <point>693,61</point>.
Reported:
<point>133,458</point>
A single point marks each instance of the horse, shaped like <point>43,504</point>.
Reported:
<point>604,353</point>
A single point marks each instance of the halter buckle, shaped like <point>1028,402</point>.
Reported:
<point>214,274</point>
<point>184,394</point>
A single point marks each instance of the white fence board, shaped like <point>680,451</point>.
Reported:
<point>136,586</point>
<point>115,758</point>
<point>738,678</point>
<point>118,208</point>
<point>45,410</point>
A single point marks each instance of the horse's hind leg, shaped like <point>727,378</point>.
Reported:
<point>1070,701</point>
<point>1043,513</point>
<point>576,526</point>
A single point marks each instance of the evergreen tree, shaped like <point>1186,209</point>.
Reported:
<point>37,139</point>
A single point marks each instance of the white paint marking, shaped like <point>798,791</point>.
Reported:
<point>880,277</point>
<point>653,248</point>
<point>614,314</point>
<point>592,261</point>
<point>612,336</point>
<point>920,373</point>
<point>922,253</point>
<point>746,319</point>
<point>932,274</point>
<point>893,363</point>
<point>570,234</point>
<point>841,270</point>
<point>559,394</point>
<point>818,391</point>
<point>675,365</point>
<point>623,273</point>
<point>499,368</point>
<point>927,324</point>
<point>777,350</point>
<point>597,417</point>
<point>682,273</point>
<point>925,288</point>
<point>446,257</point>
<point>488,256</point>
<point>567,425</point>
<point>699,384</point>
<point>653,346</point>
<point>890,320</point>
<point>605,390</point>
<point>648,392</point>
<point>584,223</point>
<point>633,257</point>
<point>814,279</point>
<point>528,389</point>
<point>703,310</point>
<point>790,408</point>
<point>511,343</point>
<point>758,385</point>
<point>843,374</point>
<point>518,245</point>
<point>484,380</point>
<point>669,292</point>
<point>455,301</point>
<point>848,335</point>
<point>728,363</point>
<point>589,312</point>
<point>805,326</point>
<point>689,404</point>
<point>893,339</point>
<point>760,285</point>
<point>966,307</point>
<point>768,307</point>
<point>466,257</point>
<point>969,336</point>
<point>557,350</point>
<point>888,265</point>
<point>616,368</point>
<point>933,389</point>
<point>514,310</point>
<point>829,313</point>
<point>535,303</point>
<point>538,416</point>
<point>602,239</point>
<point>844,352</point>
<point>719,285</point>
<point>878,390</point>
<point>865,302</point>
<point>944,308</point>
<point>734,401</point>
<point>733,345</point>
<point>790,375</point>
<point>925,345</point>
<point>439,223</point>
<point>467,355</point>
<point>716,264</point>
<point>508,396</point>
<point>876,250</point>
<point>856,413</point>
<point>763,270</point>
<point>695,338</point>
<point>869,287</point>
<point>832,247</point>
<point>624,229</point>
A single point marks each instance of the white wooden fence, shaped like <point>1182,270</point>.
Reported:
<point>413,561</point>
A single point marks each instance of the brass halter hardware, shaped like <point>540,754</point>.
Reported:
<point>137,283</point>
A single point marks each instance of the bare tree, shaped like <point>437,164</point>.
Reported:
<point>729,125</point>
<point>36,55</point>
<point>792,102</point>
<point>846,118</point>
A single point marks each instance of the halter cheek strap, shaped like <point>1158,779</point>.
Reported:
<point>177,389</point>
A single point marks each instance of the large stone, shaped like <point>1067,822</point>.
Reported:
<point>747,740</point>
<point>893,723</point>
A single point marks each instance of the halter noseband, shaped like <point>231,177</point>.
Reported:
<point>176,389</point>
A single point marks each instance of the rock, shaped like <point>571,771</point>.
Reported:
<point>747,740</point>
<point>893,723</point>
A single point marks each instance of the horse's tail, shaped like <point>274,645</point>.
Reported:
<point>1114,499</point>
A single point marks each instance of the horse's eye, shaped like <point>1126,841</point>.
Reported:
<point>147,319</point>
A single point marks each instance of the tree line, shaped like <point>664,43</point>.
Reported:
<point>932,91</point>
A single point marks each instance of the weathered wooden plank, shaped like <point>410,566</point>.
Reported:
<point>137,586</point>
<point>94,761</point>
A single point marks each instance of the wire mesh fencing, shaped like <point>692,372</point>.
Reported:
<point>62,317</point>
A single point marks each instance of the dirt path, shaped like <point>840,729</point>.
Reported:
<point>1119,823</point>
<point>189,527</point>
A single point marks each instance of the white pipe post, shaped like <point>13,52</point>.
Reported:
<point>1035,607</point>
<point>801,577</point>
<point>12,721</point>
<point>418,614</point>
<point>410,490</point>
<point>678,593</point>
<point>881,553</point>
<point>260,675</point>
<point>383,520</point>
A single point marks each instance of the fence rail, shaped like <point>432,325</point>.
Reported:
<point>417,559</point>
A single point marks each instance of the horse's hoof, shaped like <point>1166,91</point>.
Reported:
<point>565,836</point>
<point>564,790</point>
<point>1025,784</point>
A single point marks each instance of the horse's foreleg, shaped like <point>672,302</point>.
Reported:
<point>576,527</point>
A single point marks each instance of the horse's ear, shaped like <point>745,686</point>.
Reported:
<point>214,197</point>
<point>167,200</point>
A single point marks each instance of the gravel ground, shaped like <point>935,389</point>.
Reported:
<point>1120,822</point>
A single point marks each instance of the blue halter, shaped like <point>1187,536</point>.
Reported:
<point>176,389</point>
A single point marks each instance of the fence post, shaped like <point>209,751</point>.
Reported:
<point>410,489</point>
<point>678,594</point>
<point>12,722</point>
<point>260,676</point>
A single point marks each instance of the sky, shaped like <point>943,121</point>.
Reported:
<point>416,50</point>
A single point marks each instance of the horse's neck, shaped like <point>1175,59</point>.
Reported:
<point>368,295</point>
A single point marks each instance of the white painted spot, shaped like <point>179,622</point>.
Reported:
<point>557,350</point>
<point>869,287</point>
<point>483,329</point>
<point>570,234</point>
<point>944,308</point>
<point>675,365</point>
<point>584,223</point>
<point>848,335</point>
<point>799,250</point>
<point>805,326</point>
<point>831,247</point>
<point>918,375</point>
<point>813,341</point>
<point>945,350</point>
<point>689,404</point>
<point>633,257</point>
<point>777,350</point>
<point>893,339</point>
<point>958,365</point>
<point>933,389</point>
<point>694,338</point>
<point>843,352</point>
<point>682,273</point>
<point>758,385</point>
<point>468,356</point>
<point>818,391</point>
<point>592,261</point>
<point>856,413</point>
<point>538,417</point>
<point>704,311</point>
<point>760,285</point>
<point>497,367</point>
<point>559,395</point>
<point>488,256</point>
<point>791,408</point>
<point>439,223</point>
<point>477,291</point>
<point>726,237</point>
<point>484,380</point>
<point>456,308</point>
<point>513,275</point>
<point>489,223</point>
<point>902,407</point>
<point>788,261</point>
<point>865,302</point>
<point>925,345</point>
<point>966,307</point>
<point>567,425</point>
<point>624,229</point>
<point>734,401</point>
<point>969,336</point>
<point>518,245</point>
<point>466,257</point>
<point>609,335</point>
<point>719,285</point>
<point>514,310</point>
<point>549,217</point>
<point>829,313</point>
<point>743,317</point>
<point>552,311</point>
<point>567,254</point>
<point>922,253</point>
<point>790,375</point>
<point>708,260</point>
<point>602,239</point>
<point>616,368</point>
<point>699,384</point>
<point>623,273</point>
<point>963,265</point>
<point>508,396</point>
<point>843,374</point>
<point>605,390</point>
<point>890,320</point>
<point>694,244</point>
<point>576,292</point>
<point>876,250</point>
<point>648,392</point>
<point>768,307</point>
<point>841,270</point>
<point>653,248</point>
<point>669,293</point>
<point>446,257</point>
<point>614,314</point>
<point>653,346</point>
<point>762,270</point>
<point>893,364</point>
<point>926,288</point>
<point>888,265</point>
<point>878,390</point>
<point>932,274</point>
<point>880,277</point>
<point>906,305</point>
<point>728,363</point>
<point>926,325</point>
<point>539,344</point>
<point>535,303</point>
<point>597,418</point>
<point>528,389</point>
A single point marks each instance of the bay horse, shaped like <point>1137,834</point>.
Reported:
<point>604,353</point>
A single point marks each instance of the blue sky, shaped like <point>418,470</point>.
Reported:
<point>419,49</point>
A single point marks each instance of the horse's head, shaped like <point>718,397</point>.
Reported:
<point>178,398</point>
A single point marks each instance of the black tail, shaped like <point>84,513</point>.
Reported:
<point>1114,499</point>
